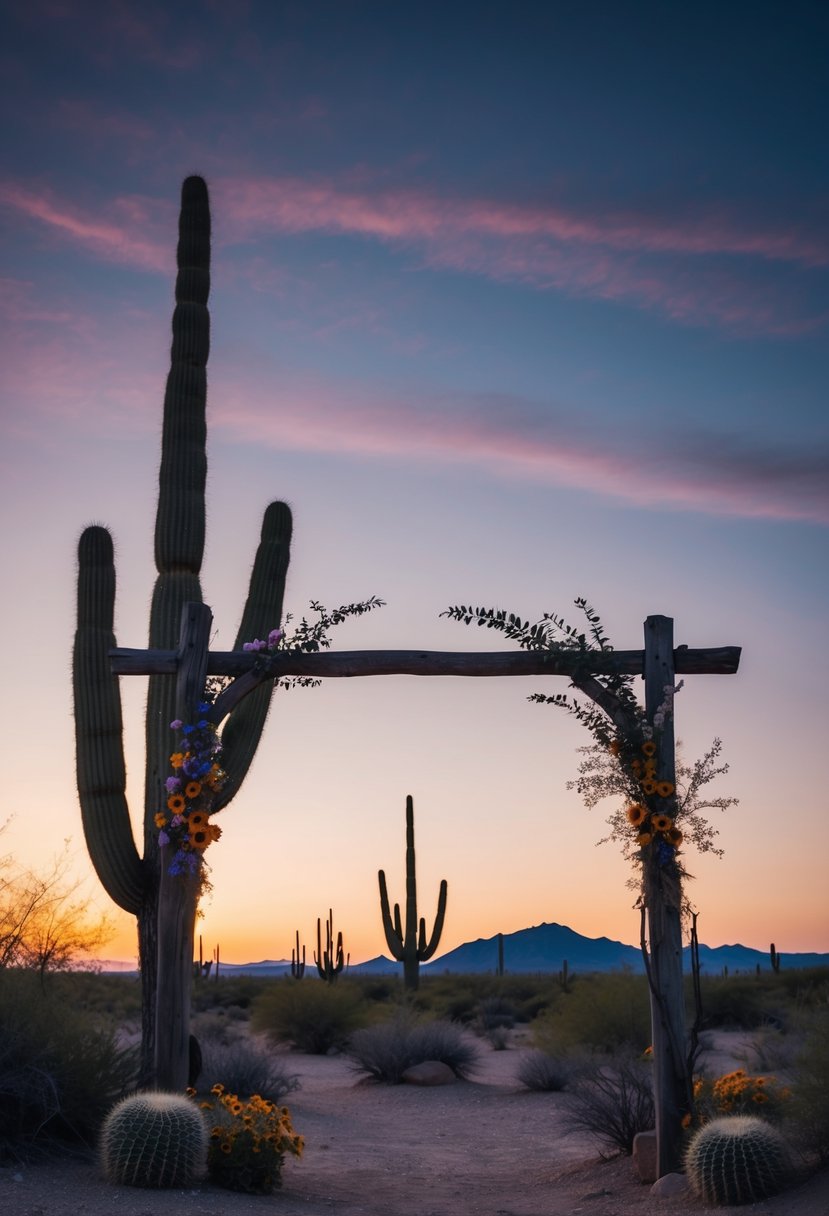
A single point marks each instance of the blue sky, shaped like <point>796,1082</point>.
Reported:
<point>512,303</point>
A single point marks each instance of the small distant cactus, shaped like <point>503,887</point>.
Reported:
<point>154,1140</point>
<point>297,964</point>
<point>774,958</point>
<point>330,962</point>
<point>737,1159</point>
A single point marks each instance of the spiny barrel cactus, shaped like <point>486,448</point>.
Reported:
<point>408,944</point>
<point>154,1140</point>
<point>737,1159</point>
<point>131,879</point>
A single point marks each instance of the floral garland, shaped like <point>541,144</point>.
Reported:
<point>652,815</point>
<point>196,779</point>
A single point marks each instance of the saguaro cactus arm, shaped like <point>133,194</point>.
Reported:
<point>392,929</point>
<point>424,952</point>
<point>263,612</point>
<point>99,751</point>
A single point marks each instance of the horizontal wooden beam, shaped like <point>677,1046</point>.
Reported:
<point>722,660</point>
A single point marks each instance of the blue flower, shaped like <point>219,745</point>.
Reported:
<point>665,852</point>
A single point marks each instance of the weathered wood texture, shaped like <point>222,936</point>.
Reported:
<point>722,660</point>
<point>663,896</point>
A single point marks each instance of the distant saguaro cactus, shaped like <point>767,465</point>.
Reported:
<point>330,962</point>
<point>408,944</point>
<point>133,881</point>
<point>297,964</point>
<point>774,958</point>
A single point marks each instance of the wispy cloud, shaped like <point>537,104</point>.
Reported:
<point>130,234</point>
<point>737,275</point>
<point>512,437</point>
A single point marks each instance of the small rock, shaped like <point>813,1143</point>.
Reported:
<point>669,1186</point>
<point>430,1072</point>
<point>644,1155</point>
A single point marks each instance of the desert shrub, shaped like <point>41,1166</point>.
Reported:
<point>742,1002</point>
<point>604,1013</point>
<point>59,1072</point>
<point>543,1073</point>
<point>495,1012</point>
<point>237,991</point>
<point>613,1102</point>
<point>807,1113</point>
<point>386,1050</point>
<point>245,1066</point>
<point>311,1015</point>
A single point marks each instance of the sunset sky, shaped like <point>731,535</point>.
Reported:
<point>512,303</point>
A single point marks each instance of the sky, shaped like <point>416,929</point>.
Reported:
<point>512,303</point>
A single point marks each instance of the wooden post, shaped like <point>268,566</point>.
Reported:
<point>663,899</point>
<point>178,895</point>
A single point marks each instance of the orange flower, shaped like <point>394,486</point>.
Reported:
<point>175,803</point>
<point>196,819</point>
<point>686,1119</point>
<point>177,759</point>
<point>636,814</point>
<point>192,789</point>
<point>661,823</point>
<point>664,788</point>
<point>649,748</point>
<point>674,837</point>
<point>199,839</point>
<point>644,838</point>
<point>648,786</point>
<point>160,819</point>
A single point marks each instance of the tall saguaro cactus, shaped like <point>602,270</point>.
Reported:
<point>408,945</point>
<point>133,881</point>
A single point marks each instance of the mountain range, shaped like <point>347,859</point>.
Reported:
<point>544,948</point>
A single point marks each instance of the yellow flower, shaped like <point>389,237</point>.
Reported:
<point>650,768</point>
<point>192,789</point>
<point>674,837</point>
<point>226,1148</point>
<point>160,819</point>
<point>649,748</point>
<point>644,838</point>
<point>636,764</point>
<point>196,819</point>
<point>177,759</point>
<point>648,786</point>
<point>218,1089</point>
<point>661,823</point>
<point>636,814</point>
<point>176,803</point>
<point>200,839</point>
<point>664,788</point>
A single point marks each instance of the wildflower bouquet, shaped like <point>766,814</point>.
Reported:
<point>196,779</point>
<point>248,1142</point>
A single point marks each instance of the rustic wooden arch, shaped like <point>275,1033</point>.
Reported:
<point>658,663</point>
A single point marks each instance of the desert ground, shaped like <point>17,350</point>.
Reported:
<point>482,1147</point>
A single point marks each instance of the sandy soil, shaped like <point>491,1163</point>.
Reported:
<point>485,1146</point>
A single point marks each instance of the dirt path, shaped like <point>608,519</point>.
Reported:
<point>486,1147</point>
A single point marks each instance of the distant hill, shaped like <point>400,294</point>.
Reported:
<point>543,948</point>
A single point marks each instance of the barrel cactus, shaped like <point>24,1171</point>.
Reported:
<point>154,1140</point>
<point>737,1159</point>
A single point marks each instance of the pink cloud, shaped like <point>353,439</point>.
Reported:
<point>292,204</point>
<point>131,236</point>
<point>515,438</point>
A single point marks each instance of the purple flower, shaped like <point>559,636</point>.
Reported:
<point>176,724</point>
<point>172,784</point>
<point>177,821</point>
<point>163,839</point>
<point>274,638</point>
